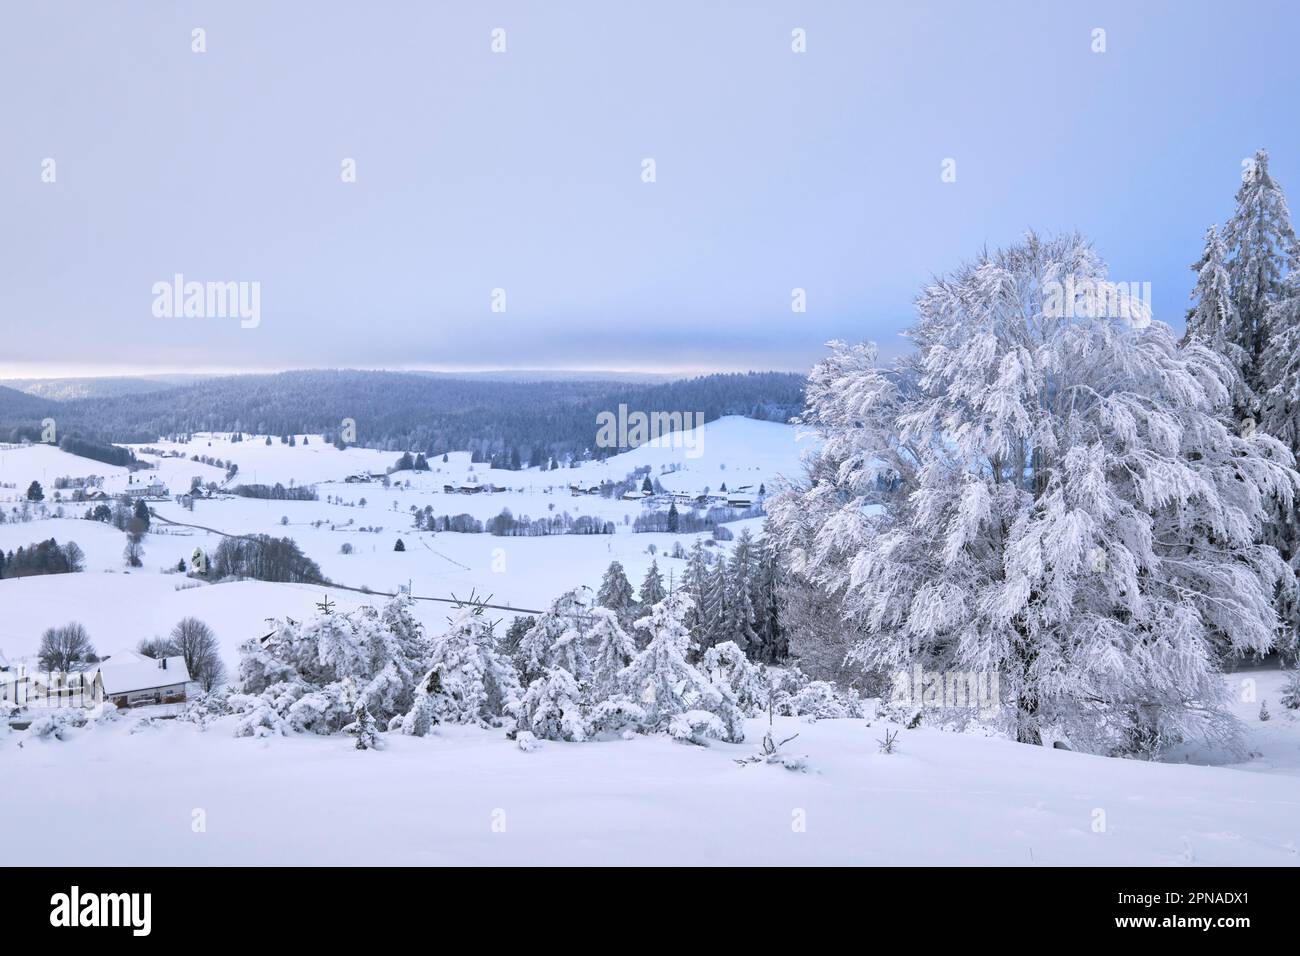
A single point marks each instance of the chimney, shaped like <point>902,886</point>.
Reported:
<point>162,663</point>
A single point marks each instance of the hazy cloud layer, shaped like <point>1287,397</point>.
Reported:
<point>523,170</point>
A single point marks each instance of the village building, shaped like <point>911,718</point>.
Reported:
<point>133,680</point>
<point>155,489</point>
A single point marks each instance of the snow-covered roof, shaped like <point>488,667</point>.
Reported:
<point>123,673</point>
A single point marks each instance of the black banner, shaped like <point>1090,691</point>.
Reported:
<point>179,905</point>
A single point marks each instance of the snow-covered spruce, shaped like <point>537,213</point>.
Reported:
<point>552,707</point>
<point>1262,245</point>
<point>470,678</point>
<point>559,638</point>
<point>1063,501</point>
<point>669,686</point>
<point>616,595</point>
<point>1214,318</point>
<point>312,676</point>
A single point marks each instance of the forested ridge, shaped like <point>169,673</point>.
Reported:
<point>403,410</point>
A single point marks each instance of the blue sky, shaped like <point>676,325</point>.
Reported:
<point>522,170</point>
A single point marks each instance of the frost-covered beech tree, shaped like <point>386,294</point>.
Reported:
<point>1063,501</point>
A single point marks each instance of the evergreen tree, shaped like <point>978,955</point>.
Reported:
<point>616,594</point>
<point>421,718</point>
<point>666,684</point>
<point>696,584</point>
<point>34,492</point>
<point>1280,402</point>
<point>552,707</point>
<point>558,638</point>
<point>716,613</point>
<point>613,650</point>
<point>364,728</point>
<point>673,518</point>
<point>1214,318</point>
<point>767,604</point>
<point>476,682</point>
<point>739,616</point>
<point>1263,246</point>
<point>652,588</point>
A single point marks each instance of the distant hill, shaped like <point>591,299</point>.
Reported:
<point>501,421</point>
<point>70,389</point>
<point>553,375</point>
<point>19,408</point>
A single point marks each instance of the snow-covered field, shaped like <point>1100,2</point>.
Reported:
<point>468,796</point>
<point>471,796</point>
<point>119,608</point>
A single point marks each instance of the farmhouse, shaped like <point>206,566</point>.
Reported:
<point>133,680</point>
<point>155,489</point>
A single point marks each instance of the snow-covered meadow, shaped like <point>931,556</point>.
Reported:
<point>470,796</point>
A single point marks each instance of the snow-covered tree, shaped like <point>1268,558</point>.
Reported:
<point>771,645</point>
<point>423,715</point>
<point>552,707</point>
<point>652,588</point>
<point>558,638</point>
<point>313,673</point>
<point>476,682</point>
<point>1280,368</point>
<point>739,617</point>
<point>1262,243</point>
<point>613,650</point>
<point>1214,318</point>
<point>1065,501</point>
<point>695,585</point>
<point>616,594</point>
<point>363,728</point>
<point>665,683</point>
<point>726,665</point>
<point>715,614</point>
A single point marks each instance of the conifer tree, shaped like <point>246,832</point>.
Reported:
<point>616,594</point>
<point>652,588</point>
<point>1262,243</point>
